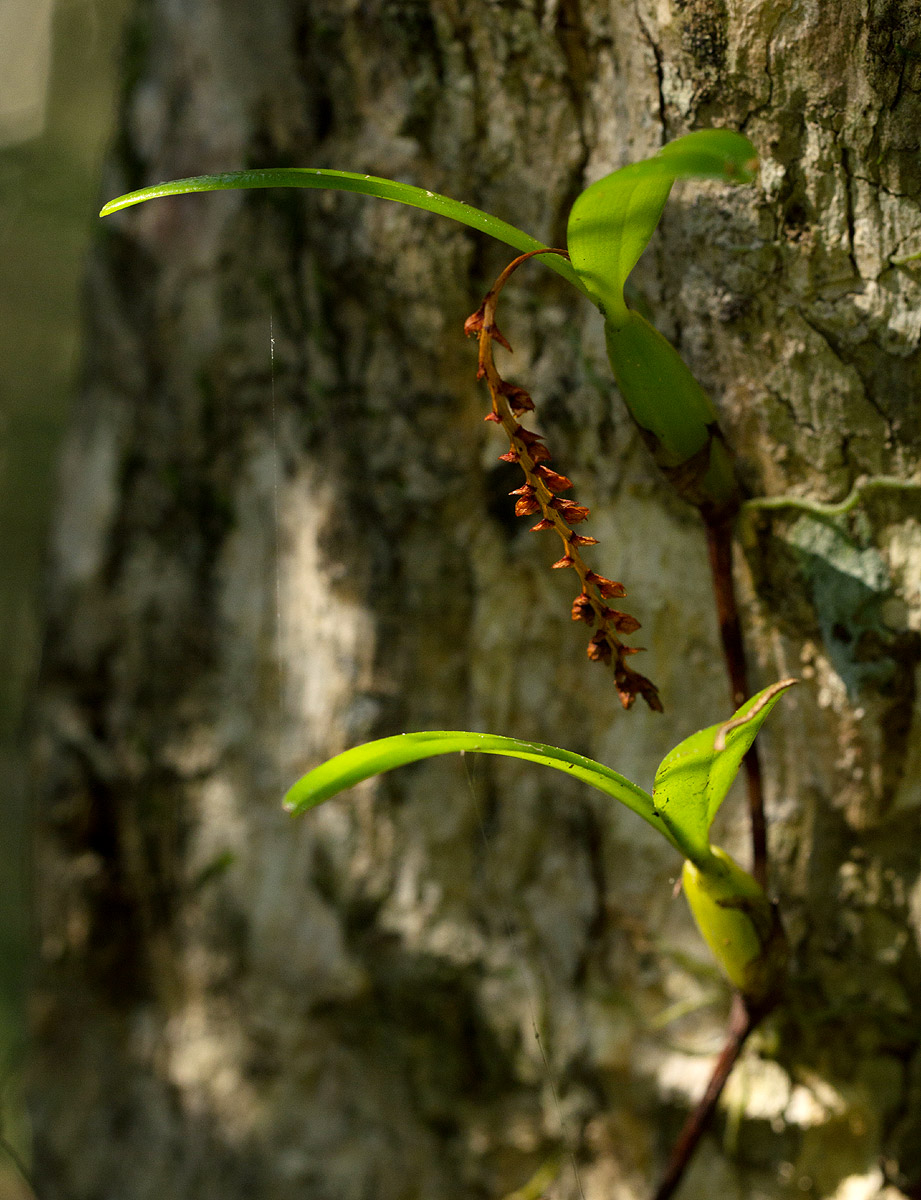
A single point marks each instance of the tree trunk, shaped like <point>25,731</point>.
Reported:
<point>283,531</point>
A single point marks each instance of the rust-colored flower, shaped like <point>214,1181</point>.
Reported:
<point>519,401</point>
<point>583,609</point>
<point>608,588</point>
<point>569,510</point>
<point>622,622</point>
<point>552,480</point>
<point>526,506</point>
<point>528,436</point>
<point>599,648</point>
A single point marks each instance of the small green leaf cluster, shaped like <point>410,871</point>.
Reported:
<point>731,909</point>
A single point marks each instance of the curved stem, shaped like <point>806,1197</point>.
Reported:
<point>821,508</point>
<point>719,547</point>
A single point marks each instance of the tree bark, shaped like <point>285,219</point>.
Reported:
<point>283,531</point>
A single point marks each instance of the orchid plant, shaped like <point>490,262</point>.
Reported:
<point>609,227</point>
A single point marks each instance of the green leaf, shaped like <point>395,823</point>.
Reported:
<point>345,770</point>
<point>693,779</point>
<point>366,185</point>
<point>678,421</point>
<point>663,396</point>
<point>612,221</point>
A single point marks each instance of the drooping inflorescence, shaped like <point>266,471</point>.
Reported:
<point>541,493</point>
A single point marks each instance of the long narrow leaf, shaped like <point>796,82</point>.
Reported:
<point>366,185</point>
<point>693,778</point>
<point>612,221</point>
<point>345,770</point>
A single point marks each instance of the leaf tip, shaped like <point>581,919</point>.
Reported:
<point>767,697</point>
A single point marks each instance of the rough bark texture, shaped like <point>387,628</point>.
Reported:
<point>230,1004</point>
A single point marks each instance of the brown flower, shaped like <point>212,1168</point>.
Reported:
<point>622,622</point>
<point>528,436</point>
<point>599,648</point>
<point>553,481</point>
<point>569,510</point>
<point>583,609</point>
<point>519,401</point>
<point>608,588</point>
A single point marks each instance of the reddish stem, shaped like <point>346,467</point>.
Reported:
<point>719,546</point>
<point>741,1023</point>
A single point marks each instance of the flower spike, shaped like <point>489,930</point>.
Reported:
<point>540,493</point>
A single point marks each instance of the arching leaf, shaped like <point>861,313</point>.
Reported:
<point>366,185</point>
<point>345,770</point>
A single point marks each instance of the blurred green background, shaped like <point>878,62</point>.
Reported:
<point>58,90</point>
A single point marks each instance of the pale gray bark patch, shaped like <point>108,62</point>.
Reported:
<point>231,1004</point>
